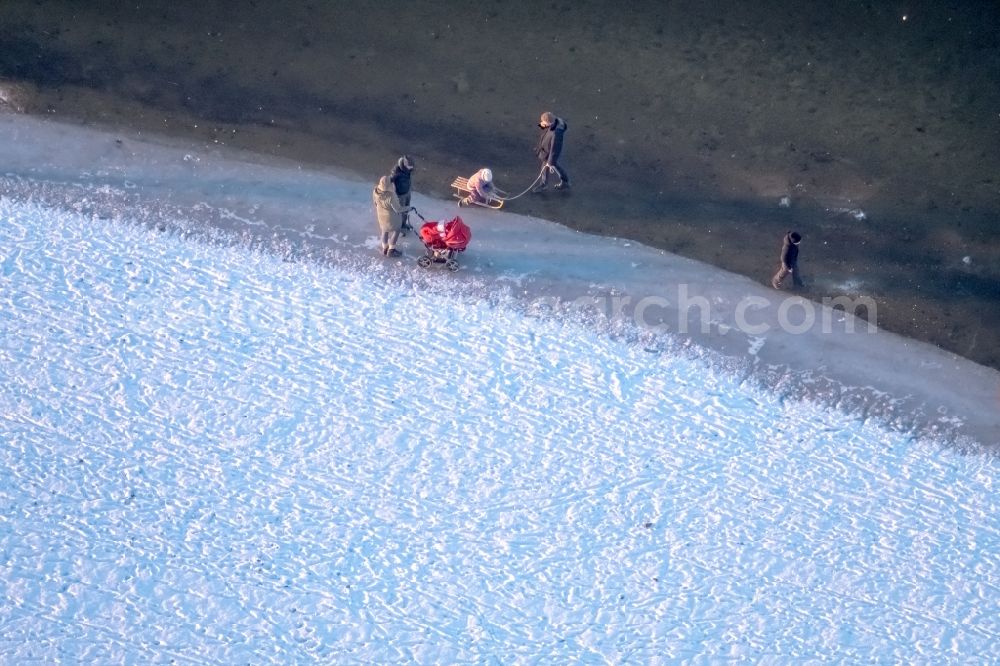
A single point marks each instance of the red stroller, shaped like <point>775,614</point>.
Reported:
<point>443,240</point>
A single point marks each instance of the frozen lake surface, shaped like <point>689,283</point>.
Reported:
<point>231,433</point>
<point>214,455</point>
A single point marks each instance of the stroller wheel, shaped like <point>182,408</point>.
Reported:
<point>424,261</point>
<point>451,265</point>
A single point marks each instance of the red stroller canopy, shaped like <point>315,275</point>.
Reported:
<point>452,235</point>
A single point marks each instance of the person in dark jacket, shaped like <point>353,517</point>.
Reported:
<point>789,261</point>
<point>400,178</point>
<point>549,148</point>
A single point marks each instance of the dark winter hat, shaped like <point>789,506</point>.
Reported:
<point>405,162</point>
<point>795,236</point>
<point>547,120</point>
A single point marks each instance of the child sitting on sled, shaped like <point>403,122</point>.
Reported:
<point>481,188</point>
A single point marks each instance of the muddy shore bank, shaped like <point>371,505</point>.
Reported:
<point>688,123</point>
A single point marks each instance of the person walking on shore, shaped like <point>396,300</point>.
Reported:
<point>789,261</point>
<point>400,178</point>
<point>389,214</point>
<point>549,148</point>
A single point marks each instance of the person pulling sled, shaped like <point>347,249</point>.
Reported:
<point>548,149</point>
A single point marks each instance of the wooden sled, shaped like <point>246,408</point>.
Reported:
<point>462,192</point>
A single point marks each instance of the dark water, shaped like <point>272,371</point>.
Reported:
<point>688,120</point>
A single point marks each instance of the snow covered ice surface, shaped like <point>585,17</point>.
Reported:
<point>218,454</point>
<point>212,455</point>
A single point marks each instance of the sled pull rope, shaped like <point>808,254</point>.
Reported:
<point>537,179</point>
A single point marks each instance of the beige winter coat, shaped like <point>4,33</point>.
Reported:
<point>387,207</point>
